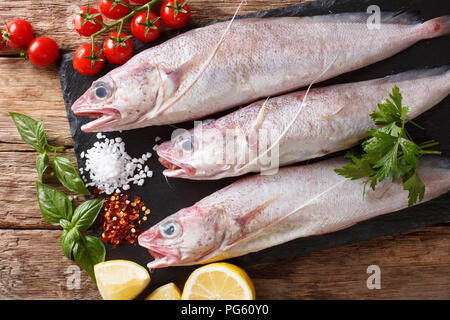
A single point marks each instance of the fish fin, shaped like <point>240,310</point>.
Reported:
<point>416,74</point>
<point>170,80</point>
<point>436,27</point>
<point>387,17</point>
<point>399,17</point>
<point>253,137</point>
<point>163,108</point>
<point>304,205</point>
<point>242,221</point>
<point>245,219</point>
<point>260,117</point>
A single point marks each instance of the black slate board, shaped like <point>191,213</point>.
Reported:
<point>165,198</point>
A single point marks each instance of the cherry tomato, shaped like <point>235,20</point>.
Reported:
<point>141,1</point>
<point>113,10</point>
<point>20,33</point>
<point>90,26</point>
<point>118,52</point>
<point>145,32</point>
<point>82,60</point>
<point>175,15</point>
<point>2,41</point>
<point>43,51</point>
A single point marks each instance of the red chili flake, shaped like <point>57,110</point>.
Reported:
<point>120,219</point>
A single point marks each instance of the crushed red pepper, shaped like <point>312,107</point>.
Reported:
<point>120,219</point>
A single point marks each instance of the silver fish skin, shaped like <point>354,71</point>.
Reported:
<point>259,212</point>
<point>196,74</point>
<point>331,119</point>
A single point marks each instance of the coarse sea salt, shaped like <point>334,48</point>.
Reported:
<point>109,167</point>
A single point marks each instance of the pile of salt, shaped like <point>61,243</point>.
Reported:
<point>110,168</point>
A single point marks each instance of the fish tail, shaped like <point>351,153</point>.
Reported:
<point>436,27</point>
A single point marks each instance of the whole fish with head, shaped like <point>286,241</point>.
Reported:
<point>220,66</point>
<point>300,126</point>
<point>259,211</point>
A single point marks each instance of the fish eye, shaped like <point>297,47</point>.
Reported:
<point>100,92</point>
<point>102,89</point>
<point>187,145</point>
<point>170,229</point>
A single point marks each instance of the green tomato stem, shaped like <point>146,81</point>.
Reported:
<point>431,152</point>
<point>122,20</point>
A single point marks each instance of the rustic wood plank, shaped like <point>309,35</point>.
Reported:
<point>414,265</point>
<point>18,201</point>
<point>35,92</point>
<point>32,266</point>
<point>57,21</point>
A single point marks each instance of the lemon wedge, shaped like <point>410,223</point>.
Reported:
<point>120,279</point>
<point>166,292</point>
<point>218,281</point>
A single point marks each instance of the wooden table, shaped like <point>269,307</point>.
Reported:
<point>32,266</point>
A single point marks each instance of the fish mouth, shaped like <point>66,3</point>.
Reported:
<point>162,258</point>
<point>175,169</point>
<point>102,117</point>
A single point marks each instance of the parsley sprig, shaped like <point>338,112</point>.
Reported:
<point>389,150</point>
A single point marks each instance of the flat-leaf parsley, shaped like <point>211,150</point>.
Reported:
<point>389,150</point>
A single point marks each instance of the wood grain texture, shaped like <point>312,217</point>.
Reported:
<point>415,265</point>
<point>32,266</point>
<point>18,200</point>
<point>58,22</point>
<point>36,92</point>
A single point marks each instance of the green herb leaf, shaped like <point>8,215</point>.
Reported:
<point>387,163</point>
<point>359,169</point>
<point>54,204</point>
<point>41,164</point>
<point>389,150</point>
<point>87,252</point>
<point>68,239</point>
<point>415,187</point>
<point>31,131</point>
<point>86,213</point>
<point>65,224</point>
<point>68,176</point>
<point>411,152</point>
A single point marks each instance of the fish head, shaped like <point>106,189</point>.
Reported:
<point>185,237</point>
<point>209,152</point>
<point>121,99</point>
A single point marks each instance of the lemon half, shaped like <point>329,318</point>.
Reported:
<point>120,279</point>
<point>219,281</point>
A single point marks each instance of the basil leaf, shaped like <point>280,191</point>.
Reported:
<point>54,204</point>
<point>31,131</point>
<point>68,240</point>
<point>89,251</point>
<point>41,137</point>
<point>86,213</point>
<point>68,176</point>
<point>41,164</point>
<point>65,224</point>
